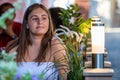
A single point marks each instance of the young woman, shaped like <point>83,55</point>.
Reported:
<point>37,50</point>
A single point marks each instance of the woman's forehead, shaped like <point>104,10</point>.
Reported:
<point>38,11</point>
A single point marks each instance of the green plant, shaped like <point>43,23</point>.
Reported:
<point>8,69</point>
<point>7,66</point>
<point>71,41</point>
<point>75,25</point>
<point>78,22</point>
<point>72,19</point>
<point>9,14</point>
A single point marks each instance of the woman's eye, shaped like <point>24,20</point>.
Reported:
<point>35,19</point>
<point>44,18</point>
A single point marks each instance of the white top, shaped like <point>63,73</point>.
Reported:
<point>48,68</point>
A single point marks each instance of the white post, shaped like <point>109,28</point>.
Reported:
<point>98,42</point>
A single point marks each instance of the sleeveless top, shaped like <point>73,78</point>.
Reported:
<point>48,69</point>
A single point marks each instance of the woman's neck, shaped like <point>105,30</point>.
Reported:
<point>34,48</point>
<point>36,40</point>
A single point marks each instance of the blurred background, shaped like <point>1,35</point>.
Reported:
<point>107,10</point>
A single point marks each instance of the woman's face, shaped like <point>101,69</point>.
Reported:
<point>38,22</point>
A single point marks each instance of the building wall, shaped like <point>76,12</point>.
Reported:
<point>116,13</point>
<point>108,10</point>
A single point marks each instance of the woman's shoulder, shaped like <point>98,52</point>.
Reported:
<point>56,42</point>
<point>57,46</point>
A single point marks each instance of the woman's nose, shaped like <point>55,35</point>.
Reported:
<point>39,21</point>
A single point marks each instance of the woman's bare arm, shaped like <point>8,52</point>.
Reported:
<point>60,57</point>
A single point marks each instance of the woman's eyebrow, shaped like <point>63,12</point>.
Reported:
<point>44,15</point>
<point>33,16</point>
<point>37,16</point>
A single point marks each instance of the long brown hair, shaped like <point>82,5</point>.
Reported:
<point>24,39</point>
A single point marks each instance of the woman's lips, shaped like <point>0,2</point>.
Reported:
<point>39,27</point>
